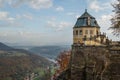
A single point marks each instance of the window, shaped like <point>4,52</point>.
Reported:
<point>97,32</point>
<point>85,37</point>
<point>91,37</point>
<point>80,33</point>
<point>91,31</point>
<point>95,22</point>
<point>76,32</point>
<point>86,32</point>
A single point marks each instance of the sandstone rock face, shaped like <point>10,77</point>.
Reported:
<point>90,61</point>
<point>94,63</point>
<point>114,67</point>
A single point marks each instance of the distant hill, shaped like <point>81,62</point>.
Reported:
<point>5,47</point>
<point>16,64</point>
<point>23,47</point>
<point>49,51</point>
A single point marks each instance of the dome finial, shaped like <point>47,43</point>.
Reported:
<point>85,10</point>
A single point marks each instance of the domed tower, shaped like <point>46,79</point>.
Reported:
<point>86,30</point>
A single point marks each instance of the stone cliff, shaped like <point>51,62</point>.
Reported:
<point>93,63</point>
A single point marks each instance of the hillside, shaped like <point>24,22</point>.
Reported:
<point>17,64</point>
<point>49,51</point>
<point>5,47</point>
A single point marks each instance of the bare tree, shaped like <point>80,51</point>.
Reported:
<point>116,19</point>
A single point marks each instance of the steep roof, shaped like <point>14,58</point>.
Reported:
<point>86,14</point>
<point>86,20</point>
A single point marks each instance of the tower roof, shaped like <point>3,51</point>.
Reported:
<point>86,20</point>
<point>86,14</point>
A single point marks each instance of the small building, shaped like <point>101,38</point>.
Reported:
<point>87,31</point>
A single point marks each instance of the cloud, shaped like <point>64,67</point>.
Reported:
<point>7,21</point>
<point>24,16</point>
<point>98,6</point>
<point>1,2</point>
<point>71,13</point>
<point>5,16</point>
<point>58,26</point>
<point>95,6</point>
<point>76,15</point>
<point>41,4</point>
<point>35,4</point>
<point>16,3</point>
<point>59,8</point>
<point>23,37</point>
<point>11,24</point>
<point>28,17</point>
<point>33,38</point>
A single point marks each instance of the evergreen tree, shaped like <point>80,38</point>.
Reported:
<point>116,19</point>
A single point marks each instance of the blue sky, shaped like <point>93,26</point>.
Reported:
<point>48,22</point>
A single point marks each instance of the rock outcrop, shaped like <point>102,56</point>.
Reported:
<point>93,63</point>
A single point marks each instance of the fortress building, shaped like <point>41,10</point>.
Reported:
<point>87,31</point>
<point>93,55</point>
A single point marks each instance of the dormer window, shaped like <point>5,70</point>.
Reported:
<point>88,21</point>
<point>95,22</point>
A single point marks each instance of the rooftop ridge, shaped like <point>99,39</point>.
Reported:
<point>86,14</point>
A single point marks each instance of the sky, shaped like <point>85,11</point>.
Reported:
<point>49,22</point>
